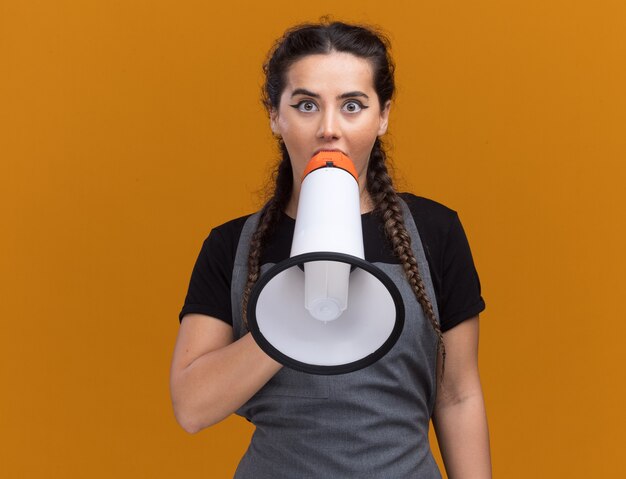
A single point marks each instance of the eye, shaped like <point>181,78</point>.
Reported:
<point>305,106</point>
<point>353,106</point>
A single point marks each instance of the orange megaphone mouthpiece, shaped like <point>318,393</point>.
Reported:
<point>325,159</point>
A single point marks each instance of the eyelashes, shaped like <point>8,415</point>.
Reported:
<point>305,106</point>
<point>309,106</point>
<point>353,106</point>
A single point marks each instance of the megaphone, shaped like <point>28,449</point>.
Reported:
<point>326,310</point>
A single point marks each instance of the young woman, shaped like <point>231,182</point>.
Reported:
<point>329,87</point>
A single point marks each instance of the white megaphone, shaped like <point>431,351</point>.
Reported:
<point>326,310</point>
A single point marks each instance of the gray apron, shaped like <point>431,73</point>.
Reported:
<point>371,423</point>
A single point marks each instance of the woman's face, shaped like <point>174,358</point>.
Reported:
<point>329,103</point>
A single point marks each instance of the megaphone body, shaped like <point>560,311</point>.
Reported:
<point>330,221</point>
<point>326,310</point>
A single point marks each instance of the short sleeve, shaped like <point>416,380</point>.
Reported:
<point>460,292</point>
<point>209,286</point>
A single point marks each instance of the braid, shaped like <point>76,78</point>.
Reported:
<point>270,214</point>
<point>387,206</point>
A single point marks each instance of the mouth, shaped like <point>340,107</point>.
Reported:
<point>329,149</point>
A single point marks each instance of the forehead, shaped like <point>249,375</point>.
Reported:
<point>334,72</point>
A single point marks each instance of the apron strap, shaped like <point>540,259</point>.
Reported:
<point>420,255</point>
<point>240,273</point>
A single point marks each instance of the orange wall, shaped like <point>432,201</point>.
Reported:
<point>129,129</point>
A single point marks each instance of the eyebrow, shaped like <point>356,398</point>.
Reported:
<point>350,94</point>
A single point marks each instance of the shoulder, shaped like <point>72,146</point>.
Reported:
<point>221,244</point>
<point>210,283</point>
<point>227,233</point>
<point>431,217</point>
<point>421,205</point>
<point>232,227</point>
<point>447,250</point>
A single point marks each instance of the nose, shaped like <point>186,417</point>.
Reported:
<point>329,127</point>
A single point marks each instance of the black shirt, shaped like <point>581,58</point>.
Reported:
<point>454,276</point>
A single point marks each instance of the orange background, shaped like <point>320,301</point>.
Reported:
<point>129,129</point>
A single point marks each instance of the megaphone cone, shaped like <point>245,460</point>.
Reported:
<point>326,310</point>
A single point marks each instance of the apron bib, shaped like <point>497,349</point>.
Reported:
<point>369,423</point>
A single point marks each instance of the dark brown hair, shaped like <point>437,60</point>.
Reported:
<point>366,43</point>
